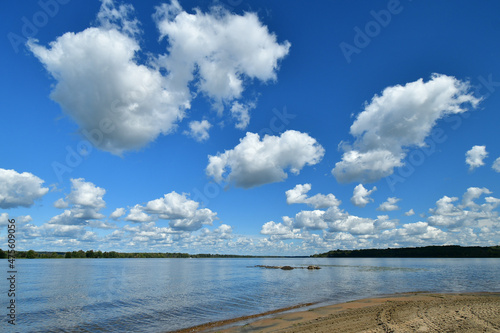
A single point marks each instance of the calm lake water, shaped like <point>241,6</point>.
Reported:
<point>160,295</point>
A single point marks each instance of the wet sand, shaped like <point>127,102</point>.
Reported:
<point>412,312</point>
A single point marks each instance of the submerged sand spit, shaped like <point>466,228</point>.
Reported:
<point>415,312</point>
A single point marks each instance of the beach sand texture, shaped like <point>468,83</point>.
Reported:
<point>414,312</point>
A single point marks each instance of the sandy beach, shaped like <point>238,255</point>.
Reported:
<point>412,312</point>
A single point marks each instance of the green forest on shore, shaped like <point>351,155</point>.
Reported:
<point>446,251</point>
<point>31,254</point>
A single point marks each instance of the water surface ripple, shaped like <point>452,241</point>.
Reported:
<point>160,295</point>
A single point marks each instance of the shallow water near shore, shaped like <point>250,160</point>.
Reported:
<point>160,295</point>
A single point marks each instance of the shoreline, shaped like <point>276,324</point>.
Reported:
<point>233,321</point>
<point>414,311</point>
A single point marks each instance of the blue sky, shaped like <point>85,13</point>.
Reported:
<point>256,127</point>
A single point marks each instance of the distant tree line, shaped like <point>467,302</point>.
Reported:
<point>446,251</point>
<point>31,254</point>
<point>114,254</point>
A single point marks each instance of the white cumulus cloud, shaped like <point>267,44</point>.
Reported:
<point>331,220</point>
<point>182,213</point>
<point>117,213</point>
<point>60,203</point>
<point>400,118</point>
<point>467,214</point>
<point>279,231</point>
<point>310,219</point>
<point>496,165</point>
<point>120,18</point>
<point>254,162</point>
<point>273,228</point>
<point>194,222</point>
<point>4,219</point>
<point>84,201</point>
<point>389,205</point>
<point>198,130</point>
<point>360,195</point>
<point>298,195</point>
<point>241,112</point>
<point>475,156</point>
<point>118,103</point>
<point>415,233</point>
<point>472,194</point>
<point>86,194</point>
<point>411,212</point>
<point>223,47</point>
<point>172,206</point>
<point>20,189</point>
<point>121,102</point>
<point>137,214</point>
<point>354,225</point>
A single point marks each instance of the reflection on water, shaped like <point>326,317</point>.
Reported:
<point>159,295</point>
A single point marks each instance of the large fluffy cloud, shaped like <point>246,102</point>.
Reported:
<point>117,103</point>
<point>85,201</point>
<point>400,118</point>
<point>475,156</point>
<point>255,162</point>
<point>121,103</point>
<point>172,206</point>
<point>86,194</point>
<point>19,189</point>
<point>225,48</point>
